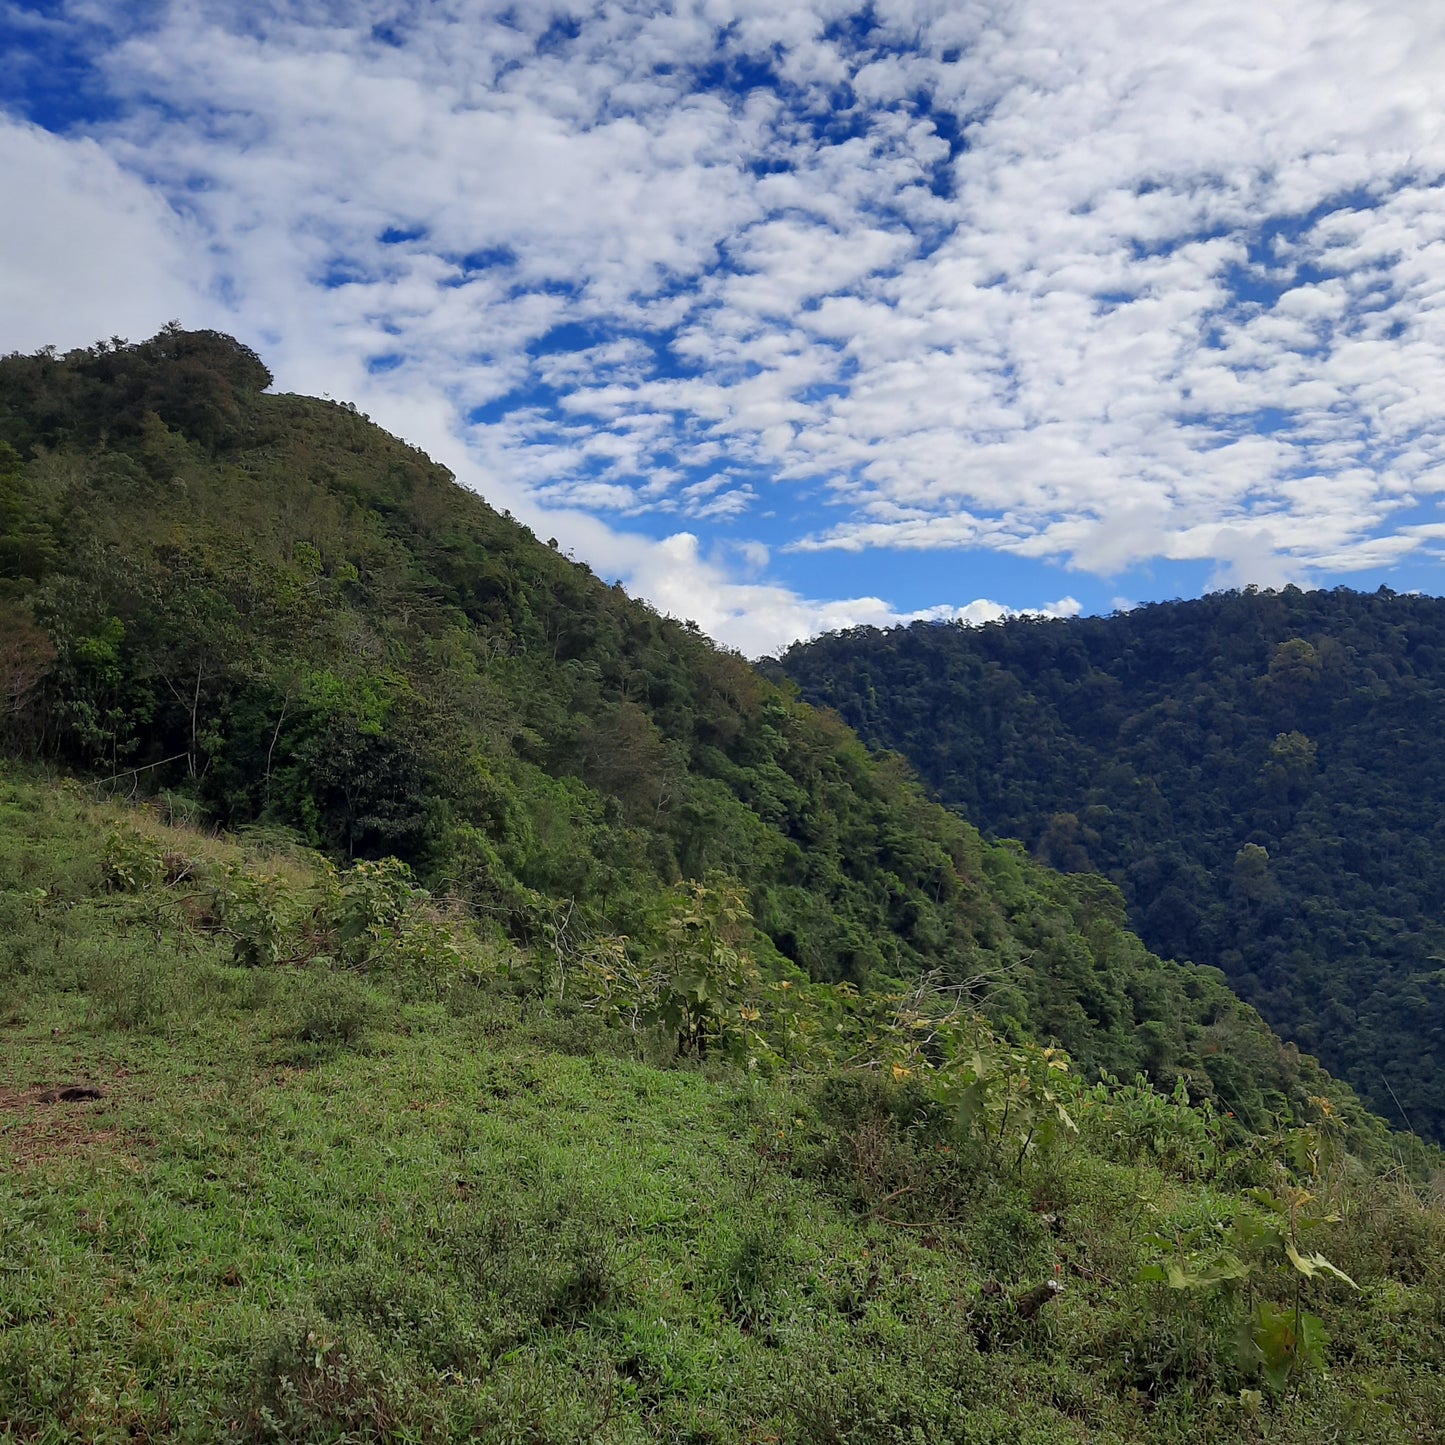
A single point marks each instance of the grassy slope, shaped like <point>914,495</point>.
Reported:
<point>485,1216</point>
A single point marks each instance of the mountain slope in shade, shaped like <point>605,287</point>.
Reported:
<point>1261,773</point>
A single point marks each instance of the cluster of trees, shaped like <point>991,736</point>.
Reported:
<point>1260,772</point>
<point>272,604</point>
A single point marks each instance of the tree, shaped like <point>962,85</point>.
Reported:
<point>26,658</point>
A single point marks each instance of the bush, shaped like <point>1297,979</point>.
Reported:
<point>132,986</point>
<point>309,1383</point>
<point>534,1271</point>
<point>257,911</point>
<point>330,1009</point>
<point>1136,1124</point>
<point>132,863</point>
<point>750,1275</point>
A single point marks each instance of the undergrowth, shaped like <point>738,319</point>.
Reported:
<point>363,1171</point>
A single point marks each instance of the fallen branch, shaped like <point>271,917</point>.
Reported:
<point>888,1199</point>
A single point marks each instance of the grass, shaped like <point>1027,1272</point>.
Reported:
<point>314,1207</point>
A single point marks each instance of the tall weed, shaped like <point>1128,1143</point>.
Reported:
<point>132,985</point>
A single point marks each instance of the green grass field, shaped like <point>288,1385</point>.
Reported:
<point>317,1203</point>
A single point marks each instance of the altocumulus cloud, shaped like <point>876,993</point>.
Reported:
<point>720,289</point>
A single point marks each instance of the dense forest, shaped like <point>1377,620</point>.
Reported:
<point>269,604</point>
<point>1260,772</point>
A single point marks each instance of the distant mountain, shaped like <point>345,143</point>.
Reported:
<point>1262,773</point>
<point>267,604</point>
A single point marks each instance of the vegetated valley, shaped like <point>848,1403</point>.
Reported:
<point>442,999</point>
<point>1259,772</point>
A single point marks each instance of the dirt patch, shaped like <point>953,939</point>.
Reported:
<point>44,1125</point>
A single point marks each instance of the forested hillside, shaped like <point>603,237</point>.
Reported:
<point>441,999</point>
<point>268,604</point>
<point>1260,772</point>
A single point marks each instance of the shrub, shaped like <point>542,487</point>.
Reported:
<point>257,912</point>
<point>329,1008</point>
<point>131,862</point>
<point>536,1271</point>
<point>131,985</point>
<point>311,1383</point>
<point>749,1277</point>
<point>1135,1123</point>
<point>372,905</point>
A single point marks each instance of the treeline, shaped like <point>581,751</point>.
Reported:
<point>269,604</point>
<point>1260,772</point>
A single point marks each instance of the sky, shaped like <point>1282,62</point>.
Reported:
<point>795,316</point>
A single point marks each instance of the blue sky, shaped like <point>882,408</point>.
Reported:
<point>795,316</point>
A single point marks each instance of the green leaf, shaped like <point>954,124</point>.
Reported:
<point>1257,1233</point>
<point>970,1104</point>
<point>1267,1200</point>
<point>1277,1372</point>
<point>1225,1268</point>
<point>1310,1265</point>
<point>1313,1337</point>
<point>1178,1276</point>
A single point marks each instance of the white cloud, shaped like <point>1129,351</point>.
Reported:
<point>982,610</point>
<point>757,618</point>
<point>86,249</point>
<point>1108,284</point>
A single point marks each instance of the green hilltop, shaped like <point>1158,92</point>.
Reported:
<point>441,998</point>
